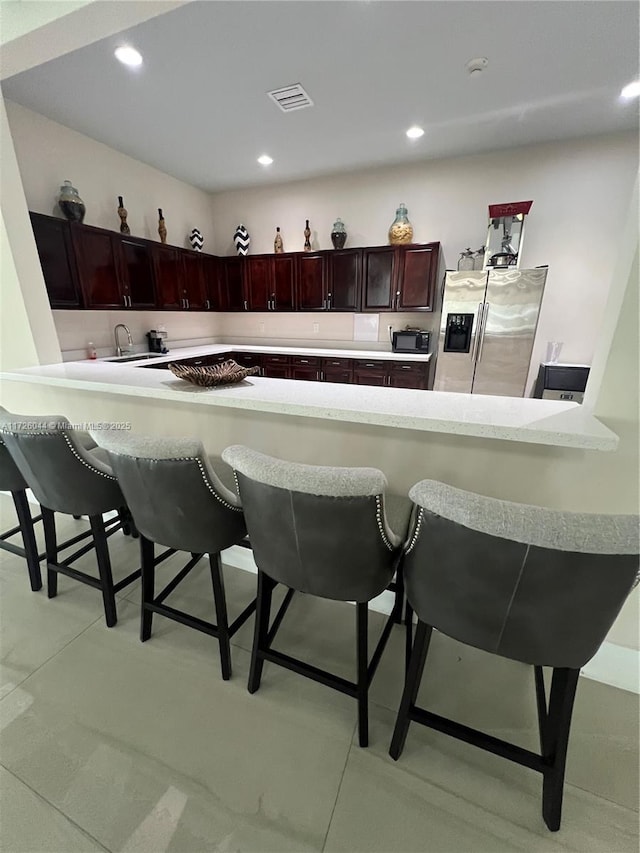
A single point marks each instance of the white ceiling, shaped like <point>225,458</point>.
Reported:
<point>198,110</point>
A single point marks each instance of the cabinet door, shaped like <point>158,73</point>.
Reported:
<point>96,256</point>
<point>311,282</point>
<point>194,287</point>
<point>417,277</point>
<point>282,297</point>
<point>211,274</point>
<point>310,374</point>
<point>277,371</point>
<point>337,370</point>
<point>345,377</point>
<point>231,279</point>
<point>136,269</point>
<point>344,280</point>
<point>259,272</point>
<point>57,259</point>
<point>370,373</point>
<point>379,276</point>
<point>169,277</point>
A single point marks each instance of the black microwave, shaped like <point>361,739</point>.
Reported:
<point>411,340</point>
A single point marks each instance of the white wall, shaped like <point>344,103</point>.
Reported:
<point>581,191</point>
<point>49,153</point>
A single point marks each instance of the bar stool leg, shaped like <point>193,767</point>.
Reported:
<point>147,561</point>
<point>261,629</point>
<point>399,598</point>
<point>104,569</point>
<point>563,691</point>
<point>362,619</point>
<point>408,620</point>
<point>221,615</point>
<point>51,548</point>
<point>28,538</point>
<point>411,687</point>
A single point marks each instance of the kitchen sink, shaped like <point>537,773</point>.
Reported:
<point>142,357</point>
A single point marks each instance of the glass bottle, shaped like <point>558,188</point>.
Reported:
<point>338,234</point>
<point>70,202</point>
<point>401,230</point>
<point>465,261</point>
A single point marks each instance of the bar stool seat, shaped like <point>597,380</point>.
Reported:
<point>325,532</point>
<point>522,582</point>
<point>67,477</point>
<point>11,480</point>
<point>177,500</point>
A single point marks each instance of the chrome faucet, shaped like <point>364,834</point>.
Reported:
<point>123,350</point>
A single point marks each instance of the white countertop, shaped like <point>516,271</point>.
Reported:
<point>534,421</point>
<point>378,355</point>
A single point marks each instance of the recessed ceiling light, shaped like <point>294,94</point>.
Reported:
<point>415,132</point>
<point>631,91</point>
<point>128,56</point>
<point>265,160</point>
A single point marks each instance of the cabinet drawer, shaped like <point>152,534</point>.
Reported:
<point>371,365</point>
<point>332,364</point>
<point>276,359</point>
<point>305,360</point>
<point>408,366</point>
<point>247,359</point>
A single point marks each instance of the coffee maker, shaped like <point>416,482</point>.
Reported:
<point>156,339</point>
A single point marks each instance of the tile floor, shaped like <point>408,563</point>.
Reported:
<point>109,744</point>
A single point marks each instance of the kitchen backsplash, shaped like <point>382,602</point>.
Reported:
<point>316,329</point>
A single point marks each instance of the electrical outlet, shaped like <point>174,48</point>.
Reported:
<point>316,328</point>
<point>261,328</point>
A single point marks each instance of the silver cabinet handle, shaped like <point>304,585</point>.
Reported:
<point>485,317</point>
<point>245,304</point>
<point>124,299</point>
<point>304,361</point>
<point>476,343</point>
<point>188,304</point>
<point>273,304</point>
<point>369,365</point>
<point>208,304</point>
<point>324,304</point>
<point>129,298</point>
<point>405,367</point>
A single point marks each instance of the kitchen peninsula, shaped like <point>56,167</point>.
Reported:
<point>398,417</point>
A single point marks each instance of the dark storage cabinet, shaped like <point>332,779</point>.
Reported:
<point>57,259</point>
<point>88,267</point>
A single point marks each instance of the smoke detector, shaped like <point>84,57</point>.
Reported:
<point>476,66</point>
<point>291,98</point>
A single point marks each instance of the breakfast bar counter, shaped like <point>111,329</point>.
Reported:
<point>534,421</point>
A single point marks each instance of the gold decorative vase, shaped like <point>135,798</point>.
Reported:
<point>401,230</point>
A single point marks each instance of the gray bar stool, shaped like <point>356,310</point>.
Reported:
<point>322,531</point>
<point>178,501</point>
<point>11,480</point>
<point>531,584</point>
<point>66,477</point>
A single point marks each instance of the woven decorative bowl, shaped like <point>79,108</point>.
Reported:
<point>227,373</point>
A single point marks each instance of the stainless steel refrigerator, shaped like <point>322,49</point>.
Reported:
<point>487,330</point>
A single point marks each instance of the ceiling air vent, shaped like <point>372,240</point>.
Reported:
<point>291,98</point>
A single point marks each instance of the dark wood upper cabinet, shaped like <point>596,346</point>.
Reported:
<point>136,268</point>
<point>379,278</point>
<point>89,267</point>
<point>417,273</point>
<point>211,274</point>
<point>311,280</point>
<point>259,282</point>
<point>284,283</point>
<point>231,279</point>
<point>97,259</point>
<point>344,280</point>
<point>194,290</point>
<point>57,259</point>
<point>169,277</point>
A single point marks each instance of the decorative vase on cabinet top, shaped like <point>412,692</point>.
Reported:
<point>338,234</point>
<point>278,248</point>
<point>70,203</point>
<point>197,240</point>
<point>241,240</point>
<point>401,230</point>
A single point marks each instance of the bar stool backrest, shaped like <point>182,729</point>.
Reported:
<point>63,476</point>
<point>524,582</point>
<point>319,530</point>
<point>174,495</point>
<point>11,480</point>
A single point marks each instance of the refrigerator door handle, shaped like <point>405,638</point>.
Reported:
<point>476,342</point>
<point>485,317</point>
